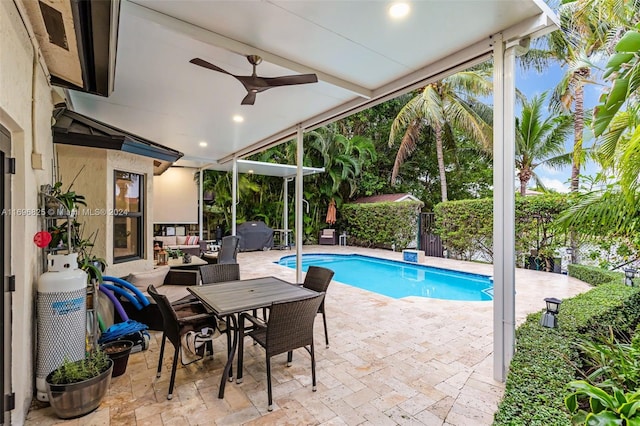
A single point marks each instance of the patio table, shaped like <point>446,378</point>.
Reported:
<point>230,298</point>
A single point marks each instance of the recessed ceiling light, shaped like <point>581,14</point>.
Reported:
<point>203,144</point>
<point>238,118</point>
<point>399,10</point>
<point>250,171</point>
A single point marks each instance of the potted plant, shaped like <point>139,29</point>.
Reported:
<point>77,387</point>
<point>118,351</point>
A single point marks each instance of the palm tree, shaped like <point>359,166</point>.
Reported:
<point>539,141</point>
<point>589,27</point>
<point>442,107</point>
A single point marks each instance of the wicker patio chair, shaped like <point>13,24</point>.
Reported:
<point>228,252</point>
<point>177,321</point>
<point>290,326</point>
<point>219,272</point>
<point>318,279</point>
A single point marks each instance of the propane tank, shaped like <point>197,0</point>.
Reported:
<point>61,310</point>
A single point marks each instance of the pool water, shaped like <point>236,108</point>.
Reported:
<point>399,279</point>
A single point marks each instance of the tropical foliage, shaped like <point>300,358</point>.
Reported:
<point>437,112</point>
<point>539,141</point>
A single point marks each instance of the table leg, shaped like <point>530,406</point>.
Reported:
<point>240,348</point>
<point>232,351</point>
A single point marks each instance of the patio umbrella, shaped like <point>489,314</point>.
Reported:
<point>331,213</point>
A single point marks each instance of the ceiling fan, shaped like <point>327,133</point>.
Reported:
<point>256,84</point>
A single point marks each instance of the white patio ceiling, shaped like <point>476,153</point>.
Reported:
<point>361,57</point>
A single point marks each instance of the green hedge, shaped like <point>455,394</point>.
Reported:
<point>544,361</point>
<point>382,225</point>
<point>593,275</point>
<point>466,226</point>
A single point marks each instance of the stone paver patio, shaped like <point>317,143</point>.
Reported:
<point>391,361</point>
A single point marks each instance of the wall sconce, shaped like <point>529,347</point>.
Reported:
<point>549,318</point>
<point>629,275</point>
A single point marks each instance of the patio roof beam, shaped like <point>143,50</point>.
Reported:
<point>218,40</point>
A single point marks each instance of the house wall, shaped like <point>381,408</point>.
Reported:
<point>96,183</point>
<point>25,110</point>
<point>177,192</point>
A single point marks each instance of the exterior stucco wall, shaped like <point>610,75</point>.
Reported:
<point>19,92</point>
<point>125,162</point>
<point>96,182</point>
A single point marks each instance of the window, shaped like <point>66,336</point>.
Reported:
<point>128,216</point>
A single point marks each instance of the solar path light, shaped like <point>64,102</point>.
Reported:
<point>549,318</point>
<point>629,275</point>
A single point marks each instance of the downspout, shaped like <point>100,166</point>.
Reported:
<point>36,157</point>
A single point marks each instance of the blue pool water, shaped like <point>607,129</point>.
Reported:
<point>399,279</point>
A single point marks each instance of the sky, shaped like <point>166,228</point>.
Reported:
<point>531,83</point>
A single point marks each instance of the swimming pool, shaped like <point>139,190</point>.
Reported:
<point>399,279</point>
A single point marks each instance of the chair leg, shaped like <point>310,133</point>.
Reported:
<point>164,339</point>
<point>326,334</point>
<point>313,369</point>
<point>269,394</point>
<point>173,372</point>
<point>289,358</point>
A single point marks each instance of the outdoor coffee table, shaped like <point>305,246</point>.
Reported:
<point>230,298</point>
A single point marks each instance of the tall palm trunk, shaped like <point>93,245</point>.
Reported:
<point>525,177</point>
<point>578,128</point>
<point>440,155</point>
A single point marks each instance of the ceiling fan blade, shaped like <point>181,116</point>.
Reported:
<point>288,80</point>
<point>208,65</point>
<point>249,99</point>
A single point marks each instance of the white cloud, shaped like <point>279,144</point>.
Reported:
<point>555,184</point>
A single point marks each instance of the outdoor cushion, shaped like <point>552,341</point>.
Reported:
<point>173,292</point>
<point>154,277</point>
<point>181,240</point>
<point>166,241</point>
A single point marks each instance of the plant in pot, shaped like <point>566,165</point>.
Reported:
<point>76,388</point>
<point>61,202</point>
<point>118,351</point>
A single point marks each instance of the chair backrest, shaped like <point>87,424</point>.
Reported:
<point>329,232</point>
<point>229,249</point>
<point>318,278</point>
<point>170,324</point>
<point>290,324</point>
<point>219,272</point>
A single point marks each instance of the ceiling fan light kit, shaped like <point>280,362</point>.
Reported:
<point>255,84</point>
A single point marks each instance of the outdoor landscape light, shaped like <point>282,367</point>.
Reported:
<point>549,318</point>
<point>629,275</point>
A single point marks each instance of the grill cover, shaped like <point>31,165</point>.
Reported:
<point>255,235</point>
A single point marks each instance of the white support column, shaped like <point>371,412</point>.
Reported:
<point>285,211</point>
<point>299,210</point>
<point>503,208</point>
<point>234,195</point>
<point>200,206</point>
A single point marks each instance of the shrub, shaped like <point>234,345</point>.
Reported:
<point>382,225</point>
<point>545,360</point>
<point>466,226</point>
<point>594,276</point>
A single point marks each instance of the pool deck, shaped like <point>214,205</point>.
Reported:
<point>391,361</point>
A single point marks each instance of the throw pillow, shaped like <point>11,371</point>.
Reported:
<point>143,279</point>
<point>192,240</point>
